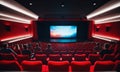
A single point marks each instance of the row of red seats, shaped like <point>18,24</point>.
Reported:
<point>65,57</point>
<point>59,66</point>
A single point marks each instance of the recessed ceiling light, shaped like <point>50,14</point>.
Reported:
<point>62,5</point>
<point>94,4</point>
<point>30,3</point>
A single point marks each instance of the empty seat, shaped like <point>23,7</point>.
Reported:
<point>117,66</point>
<point>79,52</point>
<point>103,66</point>
<point>108,57</point>
<point>54,57</point>
<point>5,56</point>
<point>67,57</point>
<point>56,52</point>
<point>9,65</point>
<point>87,52</point>
<point>94,57</point>
<point>80,57</point>
<point>58,66</point>
<point>63,52</point>
<point>78,66</point>
<point>32,65</point>
<point>42,57</point>
<point>71,52</point>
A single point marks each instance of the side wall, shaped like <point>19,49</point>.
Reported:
<point>12,29</point>
<point>108,29</point>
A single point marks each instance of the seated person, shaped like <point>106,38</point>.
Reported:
<point>97,47</point>
<point>5,49</point>
<point>49,49</point>
<point>37,48</point>
<point>105,50</point>
<point>17,49</point>
<point>26,51</point>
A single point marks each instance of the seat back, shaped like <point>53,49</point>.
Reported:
<point>54,57</point>
<point>42,57</point>
<point>104,66</point>
<point>108,57</point>
<point>58,66</point>
<point>117,66</point>
<point>80,57</point>
<point>94,57</point>
<point>67,57</point>
<point>78,66</point>
<point>117,57</point>
<point>9,65</point>
<point>20,58</point>
<point>5,56</point>
<point>32,65</point>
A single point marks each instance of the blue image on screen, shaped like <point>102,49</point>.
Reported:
<point>63,31</point>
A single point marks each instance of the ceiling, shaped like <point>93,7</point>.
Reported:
<point>62,8</point>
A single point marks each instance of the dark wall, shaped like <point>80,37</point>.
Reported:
<point>44,31</point>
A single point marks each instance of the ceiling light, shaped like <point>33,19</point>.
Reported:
<point>15,40</point>
<point>107,38</point>
<point>13,17</point>
<point>105,8</point>
<point>62,5</point>
<point>30,3</point>
<point>102,22</point>
<point>107,18</point>
<point>14,20</point>
<point>16,37</point>
<point>94,4</point>
<point>102,38</point>
<point>17,7</point>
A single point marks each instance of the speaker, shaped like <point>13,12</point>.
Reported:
<point>26,29</point>
<point>97,29</point>
<point>7,28</point>
<point>107,28</point>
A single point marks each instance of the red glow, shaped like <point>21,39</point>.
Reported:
<point>7,23</point>
<point>108,38</point>
<point>26,26</point>
<point>15,37</point>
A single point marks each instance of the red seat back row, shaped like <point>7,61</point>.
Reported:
<point>54,66</point>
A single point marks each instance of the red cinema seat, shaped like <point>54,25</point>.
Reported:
<point>54,57</point>
<point>5,56</point>
<point>78,66</point>
<point>20,58</point>
<point>56,52</point>
<point>117,66</point>
<point>41,57</point>
<point>58,66</point>
<point>67,57</point>
<point>80,57</point>
<point>117,57</point>
<point>108,57</point>
<point>93,57</point>
<point>32,65</point>
<point>103,66</point>
<point>9,65</point>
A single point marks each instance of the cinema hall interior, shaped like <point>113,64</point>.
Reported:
<point>59,35</point>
